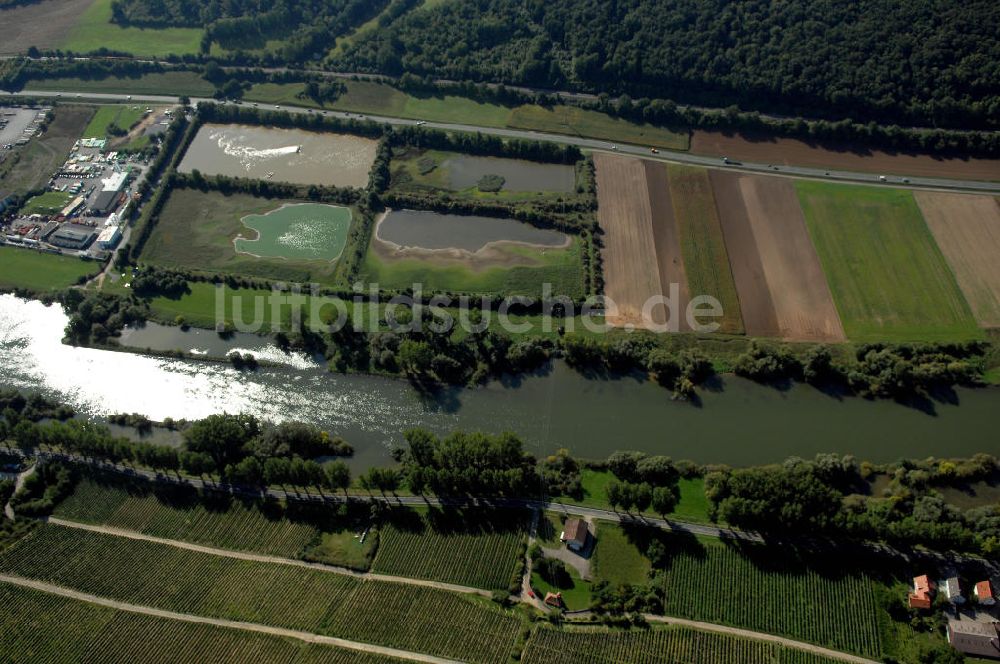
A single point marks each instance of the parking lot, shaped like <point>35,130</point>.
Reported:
<point>19,125</point>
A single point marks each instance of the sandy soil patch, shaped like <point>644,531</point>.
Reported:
<point>967,229</point>
<point>790,151</point>
<point>802,301</point>
<point>666,239</point>
<point>760,318</point>
<point>631,272</point>
<point>45,24</point>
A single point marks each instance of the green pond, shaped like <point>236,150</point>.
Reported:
<point>297,231</point>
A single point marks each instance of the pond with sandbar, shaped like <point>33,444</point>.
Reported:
<point>297,231</point>
<point>436,231</point>
<point>283,155</point>
<point>465,171</point>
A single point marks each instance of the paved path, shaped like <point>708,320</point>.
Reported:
<point>307,637</point>
<point>21,477</point>
<point>261,558</point>
<point>759,636</point>
<point>586,143</point>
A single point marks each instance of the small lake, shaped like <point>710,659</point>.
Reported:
<point>291,155</point>
<point>519,175</point>
<point>297,231</point>
<point>432,230</point>
<point>737,422</point>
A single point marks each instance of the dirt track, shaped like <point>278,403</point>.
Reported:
<point>760,319</point>
<point>790,151</point>
<point>967,229</point>
<point>631,272</point>
<point>799,291</point>
<point>45,24</point>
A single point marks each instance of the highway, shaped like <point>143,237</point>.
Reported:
<point>939,184</point>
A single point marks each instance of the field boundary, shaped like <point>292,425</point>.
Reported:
<point>307,637</point>
<point>264,558</point>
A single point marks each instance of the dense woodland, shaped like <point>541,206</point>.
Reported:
<point>923,61</point>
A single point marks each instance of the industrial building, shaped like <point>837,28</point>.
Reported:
<point>109,237</point>
<point>73,236</point>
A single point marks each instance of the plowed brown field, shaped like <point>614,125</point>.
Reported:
<point>789,151</point>
<point>667,241</point>
<point>45,24</point>
<point>967,228</point>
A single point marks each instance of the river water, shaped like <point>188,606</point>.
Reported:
<point>737,421</point>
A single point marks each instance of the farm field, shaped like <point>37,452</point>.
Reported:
<point>666,240</point>
<point>889,279</point>
<point>572,121</point>
<point>48,629</point>
<point>121,116</point>
<point>177,513</point>
<point>503,267</point>
<point>36,162</point>
<point>477,549</point>
<point>94,30</point>
<point>408,617</point>
<point>44,25</point>
<point>791,151</point>
<point>196,231</point>
<point>40,272</point>
<point>777,594</point>
<point>659,645</point>
<point>967,229</point>
<point>156,83</point>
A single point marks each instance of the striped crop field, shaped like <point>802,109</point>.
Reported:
<point>179,513</point>
<point>671,645</point>
<point>41,628</point>
<point>769,594</point>
<point>476,549</point>
<point>413,618</point>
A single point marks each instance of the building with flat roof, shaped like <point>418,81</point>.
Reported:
<point>72,236</point>
<point>109,237</point>
<point>105,202</point>
<point>114,182</point>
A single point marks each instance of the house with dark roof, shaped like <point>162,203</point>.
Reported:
<point>73,236</point>
<point>953,590</point>
<point>979,639</point>
<point>574,534</point>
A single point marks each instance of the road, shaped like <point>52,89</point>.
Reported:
<point>307,637</point>
<point>941,184</point>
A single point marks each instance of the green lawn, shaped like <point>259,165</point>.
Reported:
<point>693,505</point>
<point>121,115</point>
<point>94,30</point>
<point>889,280</point>
<point>706,261</point>
<point>576,598</point>
<point>172,82</point>
<point>560,267</point>
<point>196,231</point>
<point>617,558</point>
<point>50,203</point>
<point>40,272</point>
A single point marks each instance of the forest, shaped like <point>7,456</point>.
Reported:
<point>927,62</point>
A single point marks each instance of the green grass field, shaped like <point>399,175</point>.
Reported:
<point>575,598</point>
<point>766,589</point>
<point>40,272</point>
<point>889,280</point>
<point>473,548</point>
<point>408,617</point>
<point>693,505</point>
<point>379,99</point>
<point>560,267</point>
<point>659,645</point>
<point>50,203</point>
<point>175,82</point>
<point>703,247</point>
<point>617,560</point>
<point>196,231</point>
<point>47,629</point>
<point>94,30</point>
<point>120,115</point>
<point>29,167</point>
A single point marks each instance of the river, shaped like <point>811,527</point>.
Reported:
<point>736,422</point>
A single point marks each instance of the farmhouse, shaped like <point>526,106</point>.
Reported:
<point>953,591</point>
<point>980,639</point>
<point>574,534</point>
<point>923,591</point>
<point>984,593</point>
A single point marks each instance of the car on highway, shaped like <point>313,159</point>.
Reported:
<point>654,151</point>
<point>421,123</point>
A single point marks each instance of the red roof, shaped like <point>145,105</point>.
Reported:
<point>920,598</point>
<point>984,590</point>
<point>554,599</point>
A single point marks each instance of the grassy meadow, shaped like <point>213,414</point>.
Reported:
<point>27,269</point>
<point>889,280</point>
<point>50,203</point>
<point>157,83</point>
<point>119,115</point>
<point>94,30</point>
